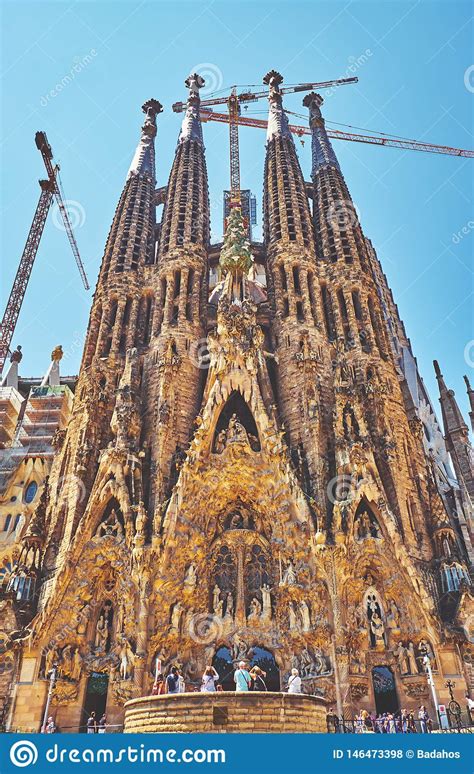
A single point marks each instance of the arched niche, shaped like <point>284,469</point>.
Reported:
<point>111,521</point>
<point>235,423</point>
<point>365,522</point>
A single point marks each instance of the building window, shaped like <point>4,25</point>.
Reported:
<point>30,491</point>
<point>7,522</point>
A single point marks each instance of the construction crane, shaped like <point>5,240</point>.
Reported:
<point>49,188</point>
<point>233,118</point>
<point>336,134</point>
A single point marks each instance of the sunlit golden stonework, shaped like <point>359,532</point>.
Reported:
<point>251,468</point>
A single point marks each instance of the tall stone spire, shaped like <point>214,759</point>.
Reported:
<point>470,395</point>
<point>143,162</point>
<point>456,433</point>
<point>293,286</point>
<point>186,211</point>
<point>130,246</point>
<point>322,150</point>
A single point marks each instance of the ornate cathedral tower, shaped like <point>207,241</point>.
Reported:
<point>243,475</point>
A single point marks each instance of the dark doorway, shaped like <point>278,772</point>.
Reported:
<point>384,690</point>
<point>266,660</point>
<point>224,666</point>
<point>96,696</point>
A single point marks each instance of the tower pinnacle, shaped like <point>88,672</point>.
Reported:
<point>277,118</point>
<point>470,395</point>
<point>322,150</point>
<point>191,128</point>
<point>143,161</point>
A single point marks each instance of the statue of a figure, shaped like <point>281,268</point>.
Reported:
<point>306,663</point>
<point>393,616</point>
<point>240,649</point>
<point>289,576</point>
<point>304,616</point>
<point>190,579</point>
<point>358,618</point>
<point>229,608</point>
<point>363,526</point>
<point>216,595</point>
<point>101,634</point>
<point>219,608</point>
<point>400,653</point>
<point>176,614</point>
<point>111,526</point>
<point>255,608</point>
<point>425,649</point>
<point>292,616</point>
<point>412,659</point>
<point>52,658</point>
<point>66,661</point>
<point>141,520</point>
<point>236,431</point>
<point>127,659</point>
<point>76,665</point>
<point>266,601</point>
<point>377,629</point>
<point>220,443</point>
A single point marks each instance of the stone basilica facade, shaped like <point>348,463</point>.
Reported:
<point>251,467</point>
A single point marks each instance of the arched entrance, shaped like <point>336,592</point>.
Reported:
<point>265,659</point>
<point>95,699</point>
<point>224,666</point>
<point>385,692</point>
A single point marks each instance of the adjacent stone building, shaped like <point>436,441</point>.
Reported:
<point>252,468</point>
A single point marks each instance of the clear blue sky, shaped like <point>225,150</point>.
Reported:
<point>416,81</point>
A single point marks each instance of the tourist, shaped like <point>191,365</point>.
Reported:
<point>159,686</point>
<point>181,683</point>
<point>258,679</point>
<point>101,726</point>
<point>208,681</point>
<point>50,727</point>
<point>219,688</point>
<point>332,722</point>
<point>411,723</point>
<point>424,718</point>
<point>91,724</point>
<point>470,708</point>
<point>294,682</point>
<point>242,678</point>
<point>172,681</point>
<point>404,721</point>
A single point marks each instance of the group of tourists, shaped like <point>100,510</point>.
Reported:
<point>402,722</point>
<point>245,678</point>
<point>95,726</point>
